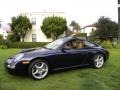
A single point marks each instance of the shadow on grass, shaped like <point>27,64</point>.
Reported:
<point>17,74</point>
<point>25,74</point>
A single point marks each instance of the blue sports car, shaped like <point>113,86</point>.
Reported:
<point>67,52</point>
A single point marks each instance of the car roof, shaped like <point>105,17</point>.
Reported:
<point>71,37</point>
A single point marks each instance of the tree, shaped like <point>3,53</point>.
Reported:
<point>105,28</point>
<point>75,26</point>
<point>54,26</point>
<point>13,37</point>
<point>20,25</point>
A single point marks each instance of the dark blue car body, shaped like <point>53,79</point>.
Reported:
<point>58,58</point>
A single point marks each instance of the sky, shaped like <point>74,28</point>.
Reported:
<point>84,12</point>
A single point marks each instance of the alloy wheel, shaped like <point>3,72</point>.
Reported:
<point>39,70</point>
<point>98,61</point>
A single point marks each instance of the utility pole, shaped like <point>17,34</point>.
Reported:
<point>119,20</point>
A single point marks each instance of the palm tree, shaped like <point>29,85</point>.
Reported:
<point>75,26</point>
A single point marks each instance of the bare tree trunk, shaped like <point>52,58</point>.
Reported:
<point>119,32</point>
<point>22,39</point>
<point>53,36</point>
<point>118,20</point>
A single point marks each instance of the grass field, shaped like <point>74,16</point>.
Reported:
<point>106,78</point>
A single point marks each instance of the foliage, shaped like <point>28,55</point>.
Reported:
<point>3,47</point>
<point>10,44</point>
<point>75,25</point>
<point>20,25</point>
<point>85,78</point>
<point>106,44</point>
<point>27,44</point>
<point>92,33</point>
<point>5,42</point>
<point>1,37</point>
<point>83,34</point>
<point>92,36</point>
<point>105,28</point>
<point>54,26</point>
<point>117,46</point>
<point>12,37</point>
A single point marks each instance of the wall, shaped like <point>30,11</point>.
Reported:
<point>40,36</point>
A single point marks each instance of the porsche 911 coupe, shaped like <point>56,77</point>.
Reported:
<point>63,53</point>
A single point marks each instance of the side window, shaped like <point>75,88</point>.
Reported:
<point>74,44</point>
<point>88,44</point>
<point>80,44</point>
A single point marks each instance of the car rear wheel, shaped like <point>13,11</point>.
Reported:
<point>38,69</point>
<point>98,61</point>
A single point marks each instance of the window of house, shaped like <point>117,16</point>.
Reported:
<point>33,37</point>
<point>33,21</point>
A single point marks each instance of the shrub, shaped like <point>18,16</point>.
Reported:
<point>117,46</point>
<point>26,44</point>
<point>106,44</point>
<point>3,47</point>
<point>83,34</point>
<point>1,37</point>
<point>13,38</point>
<point>5,42</point>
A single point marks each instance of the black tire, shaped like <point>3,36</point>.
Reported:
<point>98,63</point>
<point>32,65</point>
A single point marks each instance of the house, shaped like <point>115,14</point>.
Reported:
<point>36,18</point>
<point>88,29</point>
<point>4,29</point>
<point>84,30</point>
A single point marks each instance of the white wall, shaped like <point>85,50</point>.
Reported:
<point>3,33</point>
<point>40,36</point>
<point>88,30</point>
<point>4,29</point>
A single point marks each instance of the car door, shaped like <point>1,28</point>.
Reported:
<point>76,55</point>
<point>70,56</point>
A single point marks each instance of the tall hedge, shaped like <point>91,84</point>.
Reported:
<point>23,44</point>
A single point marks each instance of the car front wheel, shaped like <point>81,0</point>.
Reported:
<point>38,69</point>
<point>98,61</point>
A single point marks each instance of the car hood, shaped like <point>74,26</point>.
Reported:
<point>37,52</point>
<point>27,50</point>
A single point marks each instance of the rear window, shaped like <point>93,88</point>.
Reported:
<point>89,44</point>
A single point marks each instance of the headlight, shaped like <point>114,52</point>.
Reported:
<point>18,57</point>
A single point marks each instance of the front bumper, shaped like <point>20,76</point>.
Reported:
<point>19,68</point>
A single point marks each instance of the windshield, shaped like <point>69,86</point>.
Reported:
<point>55,44</point>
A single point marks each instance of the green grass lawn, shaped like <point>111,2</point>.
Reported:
<point>106,78</point>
